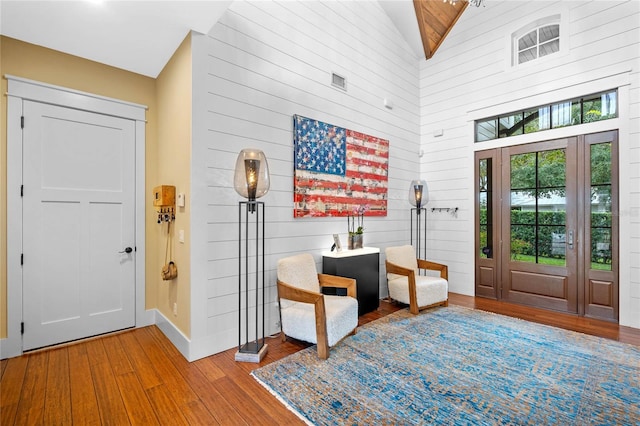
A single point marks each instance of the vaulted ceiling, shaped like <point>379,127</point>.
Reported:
<point>141,36</point>
<point>435,20</point>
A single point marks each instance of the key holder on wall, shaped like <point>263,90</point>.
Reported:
<point>453,211</point>
<point>164,200</point>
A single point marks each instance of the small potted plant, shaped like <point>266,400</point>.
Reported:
<point>355,226</point>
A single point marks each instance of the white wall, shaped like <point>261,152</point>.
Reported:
<point>470,77</point>
<point>262,63</point>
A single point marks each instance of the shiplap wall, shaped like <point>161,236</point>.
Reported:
<point>471,77</point>
<point>265,62</point>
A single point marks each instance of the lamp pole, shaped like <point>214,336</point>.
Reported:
<point>418,196</point>
<point>251,181</point>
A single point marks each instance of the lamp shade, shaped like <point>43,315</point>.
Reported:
<point>418,193</point>
<point>251,178</point>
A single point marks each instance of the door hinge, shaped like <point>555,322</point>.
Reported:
<point>22,328</point>
<point>22,258</point>
<point>22,122</point>
<point>22,190</point>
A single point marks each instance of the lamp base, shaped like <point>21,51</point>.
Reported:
<point>247,353</point>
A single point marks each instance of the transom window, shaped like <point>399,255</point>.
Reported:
<point>596,107</point>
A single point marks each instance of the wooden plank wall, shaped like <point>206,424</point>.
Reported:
<point>471,77</point>
<point>267,61</point>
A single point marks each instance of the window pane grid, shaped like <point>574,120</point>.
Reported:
<point>600,106</point>
<point>549,48</point>
<point>537,119</point>
<point>510,125</point>
<point>527,55</point>
<point>540,42</point>
<point>601,220</point>
<point>550,32</point>
<point>528,40</point>
<point>486,130</point>
<point>538,207</point>
<point>486,208</point>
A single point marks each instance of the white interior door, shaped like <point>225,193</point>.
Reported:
<point>78,220</point>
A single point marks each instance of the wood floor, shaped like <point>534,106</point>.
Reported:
<point>138,377</point>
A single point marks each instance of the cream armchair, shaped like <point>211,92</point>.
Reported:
<point>305,313</point>
<point>406,286</point>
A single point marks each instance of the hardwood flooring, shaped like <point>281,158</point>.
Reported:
<point>138,377</point>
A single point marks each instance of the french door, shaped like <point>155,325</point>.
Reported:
<point>546,225</point>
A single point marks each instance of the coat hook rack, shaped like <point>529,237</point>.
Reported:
<point>165,203</point>
<point>452,210</point>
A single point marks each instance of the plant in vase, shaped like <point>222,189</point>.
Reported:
<point>355,227</point>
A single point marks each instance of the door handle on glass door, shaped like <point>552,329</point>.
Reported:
<point>570,240</point>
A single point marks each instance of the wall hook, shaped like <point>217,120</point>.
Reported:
<point>452,210</point>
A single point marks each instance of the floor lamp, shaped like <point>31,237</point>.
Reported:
<point>251,180</point>
<point>419,196</point>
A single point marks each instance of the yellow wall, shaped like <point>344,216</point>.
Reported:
<point>36,63</point>
<point>174,157</point>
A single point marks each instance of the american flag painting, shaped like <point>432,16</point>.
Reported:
<point>338,171</point>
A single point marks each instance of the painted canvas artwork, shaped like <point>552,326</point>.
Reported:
<point>338,171</point>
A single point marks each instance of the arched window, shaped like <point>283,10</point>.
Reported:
<point>538,39</point>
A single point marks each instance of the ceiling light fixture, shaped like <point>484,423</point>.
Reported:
<point>476,3</point>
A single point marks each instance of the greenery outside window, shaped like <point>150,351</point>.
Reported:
<point>510,125</point>
<point>486,208</point>
<point>588,109</point>
<point>565,114</point>
<point>601,207</point>
<point>537,119</point>
<point>598,107</point>
<point>538,201</point>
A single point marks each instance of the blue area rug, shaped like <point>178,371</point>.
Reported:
<point>462,367</point>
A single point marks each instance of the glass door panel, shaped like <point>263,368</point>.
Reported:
<point>600,255</point>
<point>538,259</point>
<point>486,230</point>
<point>538,207</point>
<point>485,195</point>
<point>601,206</point>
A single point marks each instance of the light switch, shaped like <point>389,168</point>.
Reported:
<point>181,199</point>
<point>181,236</point>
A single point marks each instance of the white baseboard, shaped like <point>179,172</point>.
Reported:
<point>179,340</point>
<point>213,344</point>
<point>148,317</point>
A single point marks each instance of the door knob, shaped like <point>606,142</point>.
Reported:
<point>127,250</point>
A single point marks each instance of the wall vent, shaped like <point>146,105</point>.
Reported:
<point>338,81</point>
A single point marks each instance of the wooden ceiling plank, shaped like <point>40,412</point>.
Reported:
<point>417,5</point>
<point>435,20</point>
<point>444,36</point>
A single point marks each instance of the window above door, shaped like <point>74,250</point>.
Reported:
<point>540,38</point>
<point>570,112</point>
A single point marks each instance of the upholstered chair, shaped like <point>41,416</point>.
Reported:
<point>307,314</point>
<point>407,286</point>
